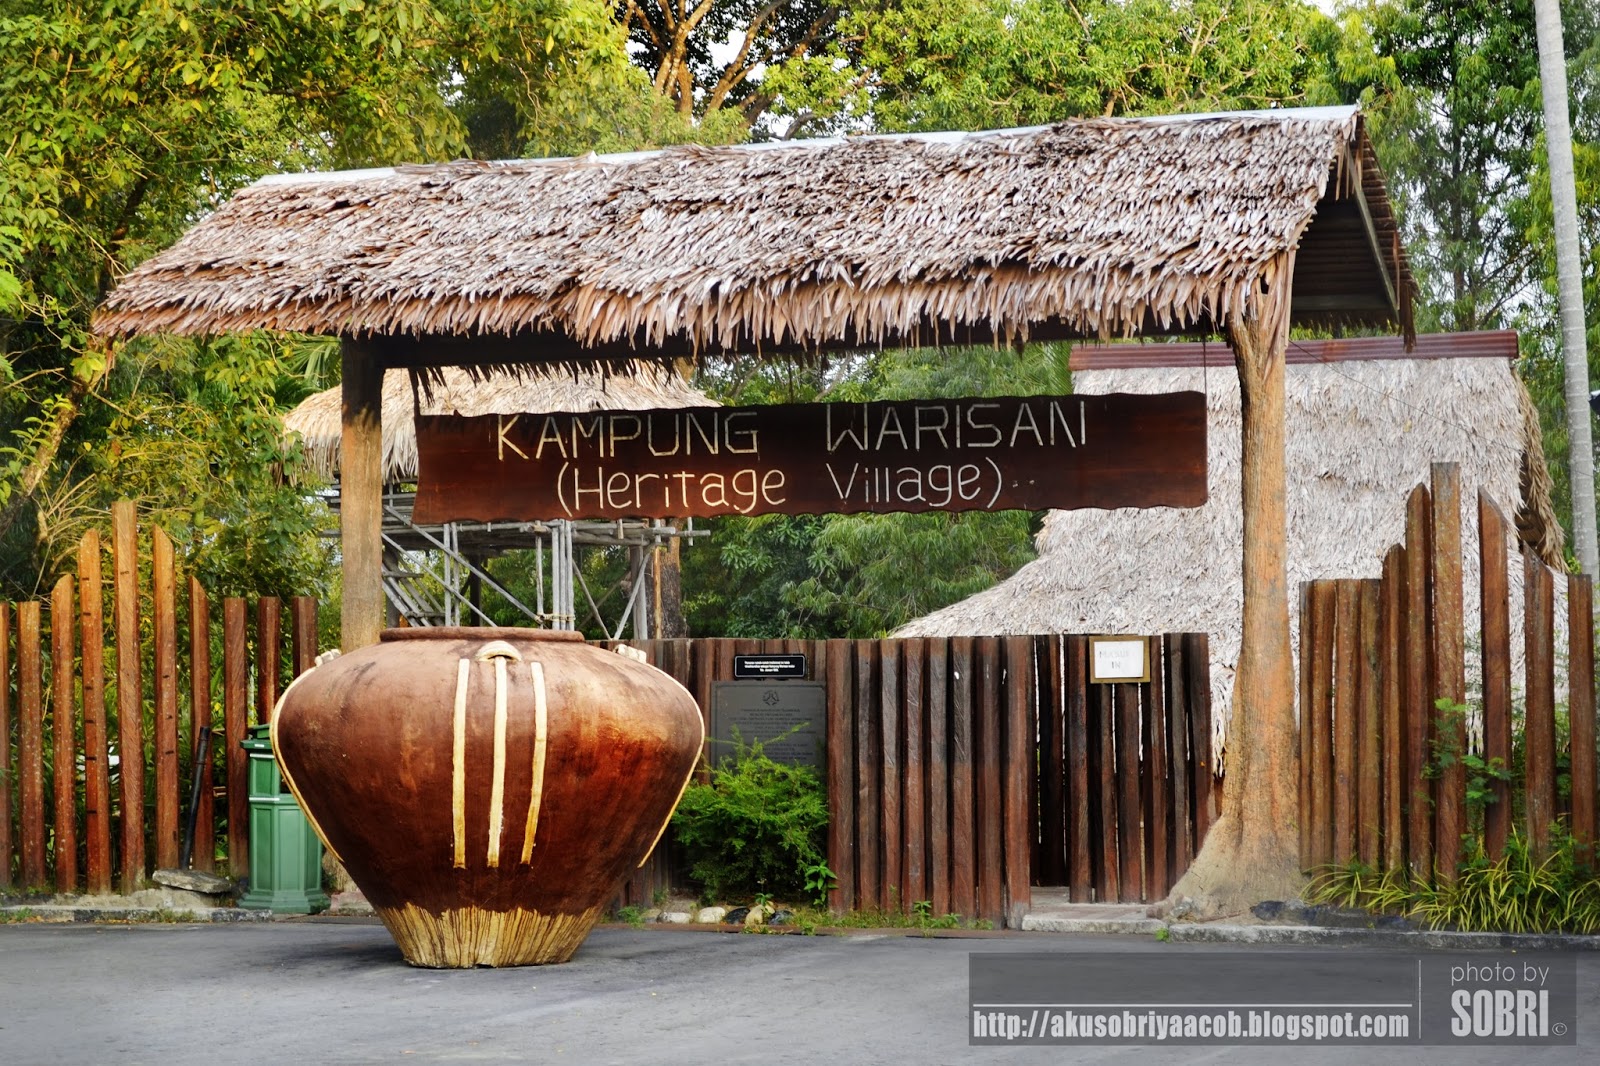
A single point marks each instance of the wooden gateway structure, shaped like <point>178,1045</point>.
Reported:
<point>1238,224</point>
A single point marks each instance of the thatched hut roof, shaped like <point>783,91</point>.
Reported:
<point>455,392</point>
<point>1361,434</point>
<point>1093,228</point>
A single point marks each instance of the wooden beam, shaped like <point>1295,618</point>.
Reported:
<point>361,494</point>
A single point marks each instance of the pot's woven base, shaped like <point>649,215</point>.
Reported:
<point>468,937</point>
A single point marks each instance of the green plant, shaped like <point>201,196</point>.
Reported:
<point>819,882</point>
<point>632,915</point>
<point>923,918</point>
<point>1163,934</point>
<point>1516,893</point>
<point>1485,777</point>
<point>756,827</point>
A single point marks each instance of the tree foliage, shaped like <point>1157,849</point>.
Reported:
<point>127,119</point>
<point>978,64</point>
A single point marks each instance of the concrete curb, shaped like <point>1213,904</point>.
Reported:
<point>1422,940</point>
<point>1131,926</point>
<point>59,913</point>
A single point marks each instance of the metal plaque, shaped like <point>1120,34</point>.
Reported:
<point>789,718</point>
<point>772,667</point>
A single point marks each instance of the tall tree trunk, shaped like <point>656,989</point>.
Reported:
<point>1569,279</point>
<point>1252,852</point>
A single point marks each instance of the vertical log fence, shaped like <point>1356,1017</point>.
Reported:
<point>963,771</point>
<point>1385,745</point>
<point>95,768</point>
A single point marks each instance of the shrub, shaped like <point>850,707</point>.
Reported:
<point>1513,894</point>
<point>757,827</point>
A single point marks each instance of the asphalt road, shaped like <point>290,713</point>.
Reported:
<point>327,991</point>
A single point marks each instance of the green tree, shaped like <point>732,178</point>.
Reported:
<point>126,120</point>
<point>978,64</point>
<point>1453,92</point>
<point>712,58</point>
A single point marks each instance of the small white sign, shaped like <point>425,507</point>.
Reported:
<point>1119,659</point>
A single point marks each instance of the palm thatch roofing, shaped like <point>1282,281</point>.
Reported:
<point>455,391</point>
<point>1096,227</point>
<point>1361,434</point>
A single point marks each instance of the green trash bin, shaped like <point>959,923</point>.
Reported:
<point>285,854</point>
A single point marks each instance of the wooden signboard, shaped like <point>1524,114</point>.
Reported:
<point>1028,453</point>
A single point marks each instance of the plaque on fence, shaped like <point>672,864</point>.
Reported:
<point>769,666</point>
<point>973,454</point>
<point>1119,660</point>
<point>788,718</point>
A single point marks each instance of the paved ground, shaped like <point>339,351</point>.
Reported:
<point>336,991</point>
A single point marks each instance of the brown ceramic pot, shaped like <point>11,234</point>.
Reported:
<point>487,788</point>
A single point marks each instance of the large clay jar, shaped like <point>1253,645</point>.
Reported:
<point>487,788</point>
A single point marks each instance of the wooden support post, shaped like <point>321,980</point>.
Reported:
<point>1580,710</point>
<point>1343,741</point>
<point>1158,793</point>
<point>96,745</point>
<point>1392,608</point>
<point>705,672</point>
<point>1308,645</point>
<point>1319,719</point>
<point>7,776</point>
<point>1052,868</point>
<point>963,852</point>
<point>890,898</point>
<point>1449,667</point>
<point>1130,842</point>
<point>63,730</point>
<point>1369,759</point>
<point>1540,731</point>
<point>269,657</point>
<point>130,691</point>
<point>1102,737</point>
<point>1019,786</point>
<point>1417,702</point>
<point>936,694</point>
<point>361,493</point>
<point>1495,617</point>
<point>303,633</point>
<point>235,711</point>
<point>203,857</point>
<point>869,779</point>
<point>1181,764</point>
<point>913,800</point>
<point>990,817</point>
<point>1197,679</point>
<point>169,791</point>
<point>841,748</point>
<point>30,742</point>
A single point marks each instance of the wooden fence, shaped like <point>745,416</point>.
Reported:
<point>124,717</point>
<point>1383,683</point>
<point>962,771</point>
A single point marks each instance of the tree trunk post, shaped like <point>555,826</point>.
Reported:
<point>1569,280</point>
<point>1252,852</point>
<point>361,494</point>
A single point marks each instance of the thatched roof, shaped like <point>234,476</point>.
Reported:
<point>1093,227</point>
<point>1361,434</point>
<point>454,391</point>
